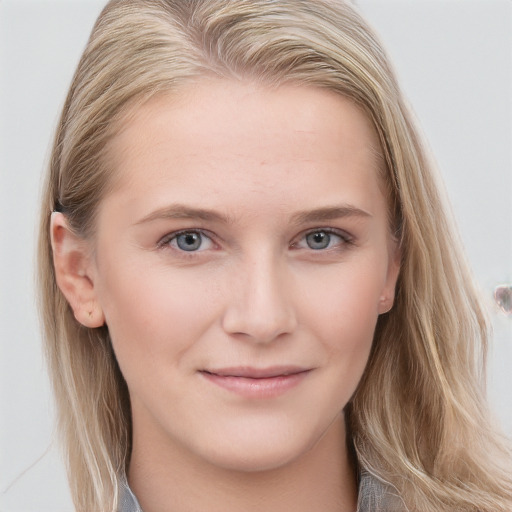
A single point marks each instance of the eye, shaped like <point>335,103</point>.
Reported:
<point>318,240</point>
<point>189,241</point>
<point>321,239</point>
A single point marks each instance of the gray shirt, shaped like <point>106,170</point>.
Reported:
<point>373,496</point>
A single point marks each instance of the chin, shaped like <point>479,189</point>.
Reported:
<point>261,460</point>
<point>265,450</point>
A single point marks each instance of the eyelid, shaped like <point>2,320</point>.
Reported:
<point>346,237</point>
<point>164,242</point>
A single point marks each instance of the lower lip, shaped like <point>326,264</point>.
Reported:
<point>257,388</point>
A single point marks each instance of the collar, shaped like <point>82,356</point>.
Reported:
<point>373,496</point>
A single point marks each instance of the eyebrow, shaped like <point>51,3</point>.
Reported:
<point>179,211</point>
<point>329,213</point>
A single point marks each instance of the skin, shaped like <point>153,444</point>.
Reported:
<point>280,190</point>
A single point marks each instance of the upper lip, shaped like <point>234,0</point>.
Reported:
<point>257,373</point>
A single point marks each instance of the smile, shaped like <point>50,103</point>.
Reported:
<point>257,382</point>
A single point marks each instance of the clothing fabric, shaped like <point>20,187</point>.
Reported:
<point>373,496</point>
<point>127,500</point>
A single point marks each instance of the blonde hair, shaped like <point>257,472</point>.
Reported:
<point>418,419</point>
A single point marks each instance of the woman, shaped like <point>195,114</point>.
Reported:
<point>249,283</point>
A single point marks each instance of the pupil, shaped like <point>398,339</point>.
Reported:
<point>189,241</point>
<point>318,240</point>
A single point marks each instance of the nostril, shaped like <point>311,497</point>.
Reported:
<point>261,308</point>
<point>258,325</point>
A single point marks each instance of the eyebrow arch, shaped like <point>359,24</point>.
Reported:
<point>179,211</point>
<point>329,213</point>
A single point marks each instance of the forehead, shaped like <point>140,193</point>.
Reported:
<point>252,135</point>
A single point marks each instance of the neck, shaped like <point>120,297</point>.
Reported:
<point>321,479</point>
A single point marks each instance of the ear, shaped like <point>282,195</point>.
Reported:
<point>387,298</point>
<point>74,271</point>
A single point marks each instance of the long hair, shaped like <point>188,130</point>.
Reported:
<point>418,419</point>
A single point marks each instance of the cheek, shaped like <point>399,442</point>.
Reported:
<point>347,340</point>
<point>345,297</point>
<point>343,313</point>
<point>154,314</point>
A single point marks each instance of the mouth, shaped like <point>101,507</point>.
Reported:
<point>257,382</point>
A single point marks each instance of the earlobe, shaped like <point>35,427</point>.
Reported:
<point>386,304</point>
<point>387,298</point>
<point>73,271</point>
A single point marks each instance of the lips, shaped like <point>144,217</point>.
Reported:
<point>257,382</point>
<point>257,373</point>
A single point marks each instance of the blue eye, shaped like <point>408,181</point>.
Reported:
<point>188,241</point>
<point>321,239</point>
<point>318,240</point>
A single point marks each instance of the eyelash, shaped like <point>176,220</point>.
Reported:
<point>346,239</point>
<point>166,241</point>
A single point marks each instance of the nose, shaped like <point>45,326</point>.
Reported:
<point>260,307</point>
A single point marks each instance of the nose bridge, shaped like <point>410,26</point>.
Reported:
<point>260,304</point>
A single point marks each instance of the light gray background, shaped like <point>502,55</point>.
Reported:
<point>455,61</point>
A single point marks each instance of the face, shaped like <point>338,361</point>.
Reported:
<point>241,264</point>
